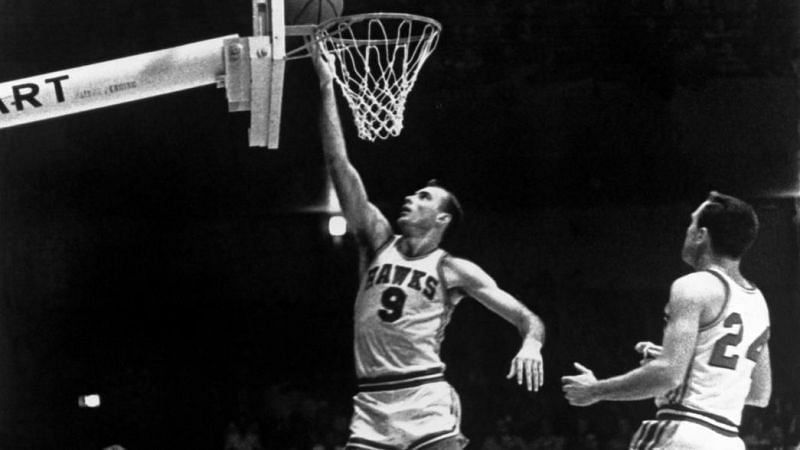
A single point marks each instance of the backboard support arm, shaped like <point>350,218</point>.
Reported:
<point>109,83</point>
<point>251,69</point>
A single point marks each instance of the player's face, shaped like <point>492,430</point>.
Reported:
<point>421,208</point>
<point>692,246</point>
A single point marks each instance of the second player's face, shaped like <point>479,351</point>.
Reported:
<point>691,247</point>
<point>422,207</point>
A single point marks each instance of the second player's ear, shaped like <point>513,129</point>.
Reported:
<point>444,218</point>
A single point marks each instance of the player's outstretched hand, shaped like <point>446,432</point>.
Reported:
<point>527,365</point>
<point>321,65</point>
<point>648,350</point>
<point>578,389</point>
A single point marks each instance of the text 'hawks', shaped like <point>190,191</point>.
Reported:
<point>400,275</point>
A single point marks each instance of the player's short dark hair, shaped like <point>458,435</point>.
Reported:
<point>732,224</point>
<point>451,206</point>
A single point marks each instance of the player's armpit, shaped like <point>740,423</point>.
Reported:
<point>372,231</point>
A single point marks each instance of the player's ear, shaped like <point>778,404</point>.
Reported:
<point>702,234</point>
<point>443,218</point>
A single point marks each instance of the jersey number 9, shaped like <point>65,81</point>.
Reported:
<point>393,299</point>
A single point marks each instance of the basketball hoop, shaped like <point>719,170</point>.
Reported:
<point>375,59</point>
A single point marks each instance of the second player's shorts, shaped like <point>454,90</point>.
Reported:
<point>407,413</point>
<point>682,434</point>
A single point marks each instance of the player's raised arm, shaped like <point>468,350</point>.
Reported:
<point>527,365</point>
<point>370,226</point>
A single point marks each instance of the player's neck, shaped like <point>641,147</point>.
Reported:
<point>730,267</point>
<point>418,245</point>
<point>725,265</point>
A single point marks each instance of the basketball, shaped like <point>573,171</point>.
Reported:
<point>304,12</point>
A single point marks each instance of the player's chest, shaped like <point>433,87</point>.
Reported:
<point>391,291</point>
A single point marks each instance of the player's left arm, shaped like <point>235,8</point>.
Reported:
<point>761,382</point>
<point>666,371</point>
<point>467,276</point>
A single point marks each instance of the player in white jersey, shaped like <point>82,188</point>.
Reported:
<point>409,287</point>
<point>714,359</point>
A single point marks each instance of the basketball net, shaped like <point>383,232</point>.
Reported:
<point>375,59</point>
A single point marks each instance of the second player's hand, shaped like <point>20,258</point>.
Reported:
<point>648,350</point>
<point>527,366</point>
<point>578,389</point>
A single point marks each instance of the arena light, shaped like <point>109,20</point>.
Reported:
<point>337,226</point>
<point>89,401</point>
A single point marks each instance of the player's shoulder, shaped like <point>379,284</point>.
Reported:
<point>459,270</point>
<point>702,279</point>
<point>459,264</point>
<point>701,286</point>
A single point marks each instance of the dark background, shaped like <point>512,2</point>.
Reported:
<point>148,254</point>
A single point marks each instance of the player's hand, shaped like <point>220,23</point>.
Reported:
<point>527,365</point>
<point>321,64</point>
<point>579,389</point>
<point>648,350</point>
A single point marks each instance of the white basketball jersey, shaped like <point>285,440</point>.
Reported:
<point>719,376</point>
<point>401,312</point>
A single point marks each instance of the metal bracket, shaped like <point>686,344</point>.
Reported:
<point>254,73</point>
<point>236,80</point>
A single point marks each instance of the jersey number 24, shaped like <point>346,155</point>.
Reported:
<point>719,356</point>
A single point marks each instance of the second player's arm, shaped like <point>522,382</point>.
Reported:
<point>761,383</point>
<point>476,283</point>
<point>668,369</point>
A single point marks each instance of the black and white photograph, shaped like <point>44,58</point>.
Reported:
<point>399,225</point>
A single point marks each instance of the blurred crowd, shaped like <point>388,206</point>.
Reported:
<point>296,420</point>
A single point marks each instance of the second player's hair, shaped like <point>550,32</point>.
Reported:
<point>731,222</point>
